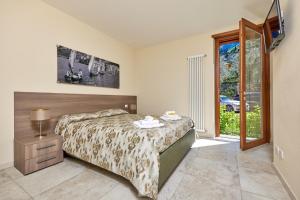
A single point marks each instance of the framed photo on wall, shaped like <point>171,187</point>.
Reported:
<point>75,67</point>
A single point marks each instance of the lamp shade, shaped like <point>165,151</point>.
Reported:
<point>40,114</point>
<point>133,106</point>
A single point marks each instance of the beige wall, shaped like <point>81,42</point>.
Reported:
<point>163,76</point>
<point>30,31</point>
<point>286,99</point>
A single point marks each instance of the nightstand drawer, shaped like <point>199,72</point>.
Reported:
<point>41,162</point>
<point>42,148</point>
<point>33,153</point>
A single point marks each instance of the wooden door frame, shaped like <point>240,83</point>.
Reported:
<point>231,36</point>
<point>219,39</point>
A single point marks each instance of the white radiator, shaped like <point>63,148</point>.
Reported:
<point>196,90</point>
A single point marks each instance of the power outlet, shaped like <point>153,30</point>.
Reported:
<point>277,150</point>
<point>281,154</point>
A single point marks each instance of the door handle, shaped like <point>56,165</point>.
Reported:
<point>244,95</point>
<point>45,147</point>
<point>45,160</point>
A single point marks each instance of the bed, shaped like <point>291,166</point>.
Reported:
<point>108,139</point>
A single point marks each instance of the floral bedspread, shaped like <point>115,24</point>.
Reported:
<point>109,139</point>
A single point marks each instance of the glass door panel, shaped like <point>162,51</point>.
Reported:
<point>252,86</point>
<point>253,83</point>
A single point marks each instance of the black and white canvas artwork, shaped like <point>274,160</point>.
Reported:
<point>75,67</point>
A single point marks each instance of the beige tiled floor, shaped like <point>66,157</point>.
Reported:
<point>213,169</point>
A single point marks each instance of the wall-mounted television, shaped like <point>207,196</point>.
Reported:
<point>274,27</point>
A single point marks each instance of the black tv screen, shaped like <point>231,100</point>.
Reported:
<point>274,27</point>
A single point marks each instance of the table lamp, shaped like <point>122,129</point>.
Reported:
<point>133,108</point>
<point>40,115</point>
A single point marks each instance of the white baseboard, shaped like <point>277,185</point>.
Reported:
<point>285,184</point>
<point>6,165</point>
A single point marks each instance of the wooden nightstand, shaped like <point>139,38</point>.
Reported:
<point>32,154</point>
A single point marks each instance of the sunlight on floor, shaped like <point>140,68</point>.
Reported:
<point>205,142</point>
<point>234,137</point>
<point>208,142</point>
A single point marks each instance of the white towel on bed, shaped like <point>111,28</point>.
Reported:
<point>148,122</point>
<point>170,116</point>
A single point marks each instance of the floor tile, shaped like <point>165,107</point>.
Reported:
<point>262,183</point>
<point>259,158</point>
<point>247,161</point>
<point>122,191</point>
<point>4,178</point>
<point>170,186</point>
<point>11,191</point>
<point>13,173</point>
<point>45,179</point>
<point>252,196</point>
<point>224,156</point>
<point>263,153</point>
<point>88,184</point>
<point>191,188</point>
<point>215,171</point>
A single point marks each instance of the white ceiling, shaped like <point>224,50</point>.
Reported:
<point>141,23</point>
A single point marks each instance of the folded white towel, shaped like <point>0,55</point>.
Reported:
<point>149,122</point>
<point>142,124</point>
<point>170,117</point>
<point>170,113</point>
<point>148,118</point>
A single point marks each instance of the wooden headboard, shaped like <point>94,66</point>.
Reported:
<point>60,104</point>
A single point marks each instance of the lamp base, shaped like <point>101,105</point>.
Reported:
<point>41,136</point>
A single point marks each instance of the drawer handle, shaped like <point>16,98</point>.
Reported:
<point>41,161</point>
<point>45,147</point>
